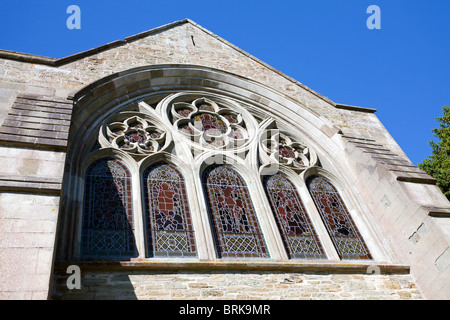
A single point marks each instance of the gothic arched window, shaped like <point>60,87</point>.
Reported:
<point>340,225</point>
<point>140,207</point>
<point>167,216</point>
<point>299,236</point>
<point>107,226</point>
<point>236,228</point>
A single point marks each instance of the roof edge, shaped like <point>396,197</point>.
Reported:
<point>25,57</point>
<point>263,63</point>
<point>355,108</point>
<point>56,62</point>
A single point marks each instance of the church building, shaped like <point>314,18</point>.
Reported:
<point>174,165</point>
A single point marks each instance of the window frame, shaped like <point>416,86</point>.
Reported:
<point>192,173</point>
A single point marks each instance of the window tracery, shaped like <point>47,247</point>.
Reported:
<point>285,150</point>
<point>207,123</point>
<point>133,133</point>
<point>210,124</point>
<point>299,235</point>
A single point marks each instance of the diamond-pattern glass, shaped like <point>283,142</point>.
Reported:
<point>340,225</point>
<point>108,216</point>
<point>299,236</point>
<point>168,220</point>
<point>236,228</point>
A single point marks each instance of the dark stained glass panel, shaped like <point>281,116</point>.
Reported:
<point>168,220</point>
<point>107,226</point>
<point>236,228</point>
<point>298,233</point>
<point>340,225</point>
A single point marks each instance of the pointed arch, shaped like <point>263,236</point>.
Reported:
<point>235,225</point>
<point>107,223</point>
<point>299,235</point>
<point>168,222</point>
<point>345,235</point>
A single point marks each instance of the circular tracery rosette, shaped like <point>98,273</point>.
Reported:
<point>279,147</point>
<point>209,123</point>
<point>133,133</point>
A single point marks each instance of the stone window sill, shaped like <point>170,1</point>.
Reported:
<point>366,267</point>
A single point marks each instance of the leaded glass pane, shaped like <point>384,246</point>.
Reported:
<point>343,232</point>
<point>210,124</point>
<point>299,236</point>
<point>168,220</point>
<point>236,228</point>
<point>108,216</point>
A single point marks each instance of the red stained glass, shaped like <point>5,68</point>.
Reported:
<point>236,227</point>
<point>154,134</point>
<point>136,136</point>
<point>286,152</point>
<point>340,225</point>
<point>169,227</point>
<point>184,112</point>
<point>231,118</point>
<point>298,233</point>
<point>210,124</point>
<point>107,229</point>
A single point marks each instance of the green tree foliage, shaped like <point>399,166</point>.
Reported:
<point>438,164</point>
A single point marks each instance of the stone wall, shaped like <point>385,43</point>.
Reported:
<point>27,239</point>
<point>237,286</point>
<point>411,214</point>
<point>30,184</point>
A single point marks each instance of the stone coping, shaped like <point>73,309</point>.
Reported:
<point>232,266</point>
<point>355,108</point>
<point>438,212</point>
<point>57,62</point>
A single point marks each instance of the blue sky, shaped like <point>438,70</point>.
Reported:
<point>402,69</point>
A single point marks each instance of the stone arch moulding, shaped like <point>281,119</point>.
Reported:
<point>140,90</point>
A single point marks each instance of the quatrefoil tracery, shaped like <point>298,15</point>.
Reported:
<point>133,134</point>
<point>283,149</point>
<point>210,124</point>
<point>218,124</point>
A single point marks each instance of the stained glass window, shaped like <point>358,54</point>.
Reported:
<point>107,227</point>
<point>168,220</point>
<point>236,228</point>
<point>210,124</point>
<point>135,136</point>
<point>298,233</point>
<point>184,112</point>
<point>206,107</point>
<point>340,225</point>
